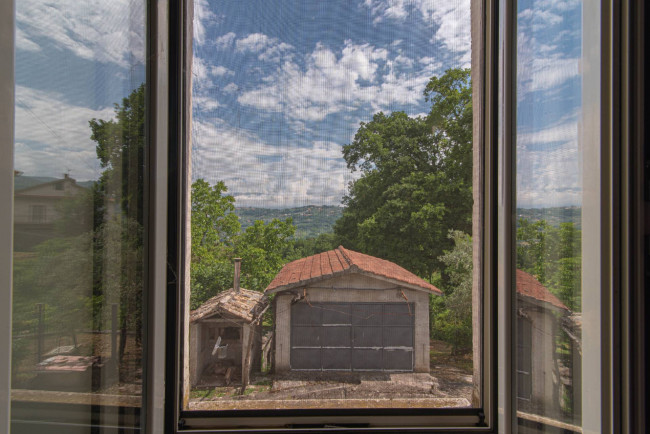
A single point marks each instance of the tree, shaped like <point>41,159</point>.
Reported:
<point>119,213</point>
<point>311,246</point>
<point>214,228</point>
<point>217,239</point>
<point>553,255</point>
<point>264,249</point>
<point>416,179</point>
<point>452,315</point>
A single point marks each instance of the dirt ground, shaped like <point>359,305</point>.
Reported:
<point>448,384</point>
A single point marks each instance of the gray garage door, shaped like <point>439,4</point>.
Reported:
<point>352,336</point>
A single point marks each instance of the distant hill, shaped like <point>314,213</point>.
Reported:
<point>21,182</point>
<point>553,216</point>
<point>310,221</point>
<point>313,220</point>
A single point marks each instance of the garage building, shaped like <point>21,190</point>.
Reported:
<point>346,311</point>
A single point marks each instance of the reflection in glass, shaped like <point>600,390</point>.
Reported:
<point>331,205</point>
<point>549,200</point>
<point>78,212</point>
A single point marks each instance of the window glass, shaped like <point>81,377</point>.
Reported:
<point>331,205</point>
<point>78,222</point>
<point>550,214</point>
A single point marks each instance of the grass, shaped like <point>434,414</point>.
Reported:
<point>440,354</point>
<point>206,394</point>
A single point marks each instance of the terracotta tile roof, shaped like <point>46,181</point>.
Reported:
<point>245,305</point>
<point>343,261</point>
<point>528,286</point>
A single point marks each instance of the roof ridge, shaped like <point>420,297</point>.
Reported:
<point>347,258</point>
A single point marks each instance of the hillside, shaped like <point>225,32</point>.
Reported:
<point>553,216</point>
<point>310,221</point>
<point>24,181</point>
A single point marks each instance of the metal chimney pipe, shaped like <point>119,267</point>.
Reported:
<point>235,284</point>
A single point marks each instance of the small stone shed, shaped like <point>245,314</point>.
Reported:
<point>539,317</point>
<point>232,316</point>
<point>346,311</point>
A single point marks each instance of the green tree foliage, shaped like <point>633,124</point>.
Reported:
<point>416,179</point>
<point>264,249</point>
<point>94,256</point>
<point>119,213</point>
<point>311,246</point>
<point>217,239</point>
<point>553,255</point>
<point>214,228</point>
<point>451,315</point>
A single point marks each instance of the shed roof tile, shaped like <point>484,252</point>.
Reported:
<point>341,261</point>
<point>529,286</point>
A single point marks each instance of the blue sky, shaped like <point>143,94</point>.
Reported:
<point>549,100</point>
<point>279,87</point>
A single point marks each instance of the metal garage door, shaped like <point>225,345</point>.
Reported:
<point>352,336</point>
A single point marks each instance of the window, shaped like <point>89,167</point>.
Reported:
<point>38,213</point>
<point>79,268</point>
<point>98,322</point>
<point>362,135</point>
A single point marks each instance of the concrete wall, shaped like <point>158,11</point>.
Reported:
<point>193,359</point>
<point>544,371</point>
<point>352,288</point>
<point>200,348</point>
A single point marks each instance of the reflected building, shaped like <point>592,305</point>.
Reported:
<point>545,381</point>
<point>37,206</point>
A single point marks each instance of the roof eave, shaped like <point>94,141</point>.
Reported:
<point>544,304</point>
<point>302,283</point>
<point>352,270</point>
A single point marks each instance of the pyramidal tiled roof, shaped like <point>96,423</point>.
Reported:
<point>245,304</point>
<point>528,286</point>
<point>343,261</point>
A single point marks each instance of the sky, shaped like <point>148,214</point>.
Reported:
<point>279,87</point>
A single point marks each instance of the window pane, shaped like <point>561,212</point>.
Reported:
<point>332,152</point>
<point>78,222</point>
<point>550,203</point>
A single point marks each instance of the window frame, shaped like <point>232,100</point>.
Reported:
<point>476,419</point>
<point>624,348</point>
<point>7,101</point>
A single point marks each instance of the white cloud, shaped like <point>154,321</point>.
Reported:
<point>268,48</point>
<point>254,42</point>
<point>53,136</point>
<point>549,178</point>
<point>563,133</point>
<point>452,19</point>
<point>220,71</point>
<point>360,74</point>
<point>230,88</point>
<point>98,30</point>
<point>545,73</point>
<point>549,170</point>
<point>454,26</point>
<point>201,75</point>
<point>205,103</point>
<point>24,43</point>
<point>225,41</point>
<point>202,16</point>
<point>263,175</point>
<point>544,65</point>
